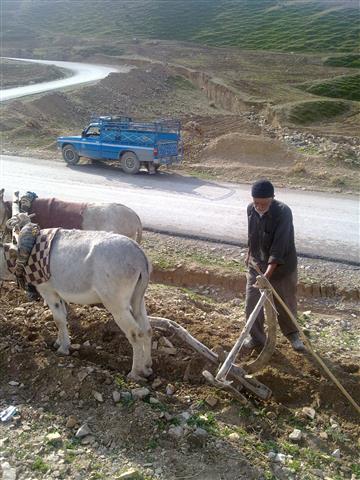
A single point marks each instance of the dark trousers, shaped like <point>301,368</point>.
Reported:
<point>286,288</point>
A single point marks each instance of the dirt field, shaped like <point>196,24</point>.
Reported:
<point>182,428</point>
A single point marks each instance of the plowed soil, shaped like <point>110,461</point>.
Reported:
<point>136,433</point>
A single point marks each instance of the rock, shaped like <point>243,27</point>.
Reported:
<point>8,472</point>
<point>116,396</point>
<point>309,412</point>
<point>169,351</point>
<point>295,435</point>
<point>86,344</point>
<point>83,431</point>
<point>154,401</point>
<point>197,438</point>
<point>131,474</point>
<point>176,431</point>
<point>126,396</point>
<point>212,401</point>
<point>82,375</point>
<point>184,416</point>
<point>88,440</point>
<point>280,458</point>
<point>170,389</point>
<point>140,393</point>
<point>54,438</point>
<point>336,453</point>
<point>13,383</point>
<point>157,383</point>
<point>75,346</point>
<point>234,436</point>
<point>319,473</point>
<point>98,397</point>
<point>71,421</point>
<point>323,435</point>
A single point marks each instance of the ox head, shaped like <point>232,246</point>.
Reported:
<point>5,274</point>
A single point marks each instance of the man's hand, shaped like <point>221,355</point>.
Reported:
<point>270,270</point>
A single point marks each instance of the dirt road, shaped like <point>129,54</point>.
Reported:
<point>325,224</point>
<point>80,73</point>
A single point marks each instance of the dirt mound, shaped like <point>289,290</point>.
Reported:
<point>239,148</point>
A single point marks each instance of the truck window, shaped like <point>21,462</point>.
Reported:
<point>92,131</point>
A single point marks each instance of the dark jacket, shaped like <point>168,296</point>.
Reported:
<point>271,238</point>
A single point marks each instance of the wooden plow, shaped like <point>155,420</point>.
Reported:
<point>230,376</point>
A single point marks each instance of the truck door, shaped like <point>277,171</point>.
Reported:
<point>90,142</point>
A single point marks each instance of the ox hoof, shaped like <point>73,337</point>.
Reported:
<point>63,351</point>
<point>135,377</point>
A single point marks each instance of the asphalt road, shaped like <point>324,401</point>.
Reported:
<point>326,225</point>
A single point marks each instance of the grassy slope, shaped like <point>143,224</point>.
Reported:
<point>307,25</point>
<point>347,87</point>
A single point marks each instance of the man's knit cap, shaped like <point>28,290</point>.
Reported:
<point>262,189</point>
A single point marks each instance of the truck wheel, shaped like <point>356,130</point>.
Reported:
<point>130,163</point>
<point>70,155</point>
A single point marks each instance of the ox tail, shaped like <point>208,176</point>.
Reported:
<point>140,287</point>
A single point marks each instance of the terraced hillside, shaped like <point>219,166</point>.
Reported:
<point>291,25</point>
<point>347,87</point>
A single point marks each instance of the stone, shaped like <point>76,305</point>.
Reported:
<point>71,421</point>
<point>154,401</point>
<point>323,435</point>
<point>88,440</point>
<point>157,383</point>
<point>336,453</point>
<point>13,383</point>
<point>176,431</point>
<point>131,474</point>
<point>211,401</point>
<point>83,431</point>
<point>170,389</point>
<point>82,375</point>
<point>126,396</point>
<point>86,344</point>
<point>55,436</point>
<point>169,351</point>
<point>234,436</point>
<point>140,393</point>
<point>75,346</point>
<point>116,396</point>
<point>295,435</point>
<point>309,412</point>
<point>98,397</point>
<point>8,472</point>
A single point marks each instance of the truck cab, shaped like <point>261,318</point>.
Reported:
<point>133,144</point>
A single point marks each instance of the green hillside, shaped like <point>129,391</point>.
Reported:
<point>292,25</point>
<point>347,87</point>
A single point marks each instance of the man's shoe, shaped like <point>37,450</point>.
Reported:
<point>296,342</point>
<point>250,343</point>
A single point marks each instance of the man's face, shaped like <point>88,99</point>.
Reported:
<point>262,205</point>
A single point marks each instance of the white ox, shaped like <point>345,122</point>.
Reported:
<point>109,217</point>
<point>98,267</point>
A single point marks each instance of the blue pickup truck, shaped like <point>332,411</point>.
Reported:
<point>133,144</point>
